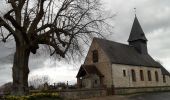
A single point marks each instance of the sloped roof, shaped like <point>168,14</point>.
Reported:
<point>88,69</point>
<point>124,54</point>
<point>164,71</point>
<point>136,31</point>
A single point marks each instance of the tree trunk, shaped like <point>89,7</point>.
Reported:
<point>20,71</point>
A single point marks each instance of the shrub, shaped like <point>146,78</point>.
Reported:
<point>35,96</point>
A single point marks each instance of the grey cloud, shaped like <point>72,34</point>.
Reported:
<point>4,50</point>
<point>5,74</point>
<point>35,63</point>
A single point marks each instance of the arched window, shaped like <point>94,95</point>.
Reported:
<point>95,56</point>
<point>164,78</point>
<point>124,73</point>
<point>133,75</point>
<point>141,75</point>
<point>149,76</point>
<point>156,76</point>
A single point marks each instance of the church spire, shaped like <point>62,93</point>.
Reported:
<point>137,37</point>
<point>136,32</point>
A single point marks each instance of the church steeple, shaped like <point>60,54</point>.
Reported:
<point>136,31</point>
<point>137,37</point>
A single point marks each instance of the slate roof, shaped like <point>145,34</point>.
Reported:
<point>136,31</point>
<point>88,69</point>
<point>124,54</point>
<point>164,71</point>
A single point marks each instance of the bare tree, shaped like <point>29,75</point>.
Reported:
<point>37,81</point>
<point>62,25</point>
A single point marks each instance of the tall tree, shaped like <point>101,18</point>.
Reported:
<point>59,24</point>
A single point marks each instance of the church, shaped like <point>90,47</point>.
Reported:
<point>123,68</point>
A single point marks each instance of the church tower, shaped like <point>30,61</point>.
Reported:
<point>137,38</point>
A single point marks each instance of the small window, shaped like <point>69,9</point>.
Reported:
<point>124,73</point>
<point>141,75</point>
<point>156,76</point>
<point>133,75</point>
<point>164,79</point>
<point>95,56</point>
<point>149,76</point>
<point>95,81</point>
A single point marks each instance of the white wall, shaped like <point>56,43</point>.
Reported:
<point>120,81</point>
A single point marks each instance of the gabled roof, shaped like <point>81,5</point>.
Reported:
<point>136,32</point>
<point>124,54</point>
<point>87,70</point>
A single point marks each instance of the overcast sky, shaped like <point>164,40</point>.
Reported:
<point>153,15</point>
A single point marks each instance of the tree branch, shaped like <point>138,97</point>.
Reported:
<point>17,26</point>
<point>37,18</point>
<point>46,41</point>
<point>9,28</point>
<point>5,38</point>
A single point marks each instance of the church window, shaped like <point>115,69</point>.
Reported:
<point>133,75</point>
<point>164,78</point>
<point>149,76</point>
<point>124,73</point>
<point>95,81</point>
<point>141,75</point>
<point>156,76</point>
<point>95,56</point>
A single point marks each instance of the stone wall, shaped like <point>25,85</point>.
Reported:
<point>82,93</point>
<point>103,64</point>
<point>131,90</point>
<point>120,80</point>
<point>89,81</point>
<point>101,54</point>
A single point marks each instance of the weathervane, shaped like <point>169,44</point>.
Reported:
<point>135,11</point>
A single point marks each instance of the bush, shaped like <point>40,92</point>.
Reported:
<point>35,96</point>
